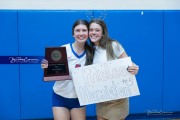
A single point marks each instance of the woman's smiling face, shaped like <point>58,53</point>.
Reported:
<point>95,33</point>
<point>81,33</point>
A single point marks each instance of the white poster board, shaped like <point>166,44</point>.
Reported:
<point>104,82</point>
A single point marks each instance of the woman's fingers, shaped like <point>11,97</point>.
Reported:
<point>44,66</point>
<point>133,69</point>
<point>44,63</point>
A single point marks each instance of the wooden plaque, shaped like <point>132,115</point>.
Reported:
<point>57,64</point>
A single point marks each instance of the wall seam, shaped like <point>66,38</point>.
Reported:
<point>163,65</point>
<point>19,64</point>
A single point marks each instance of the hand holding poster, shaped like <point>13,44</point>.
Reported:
<point>104,82</point>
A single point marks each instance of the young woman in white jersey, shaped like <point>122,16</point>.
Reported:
<point>105,49</point>
<point>65,104</point>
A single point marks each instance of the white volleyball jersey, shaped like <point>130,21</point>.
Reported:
<point>100,54</point>
<point>66,88</point>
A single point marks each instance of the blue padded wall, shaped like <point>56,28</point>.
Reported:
<point>9,74</point>
<point>151,38</point>
<point>8,33</point>
<point>40,29</point>
<point>141,34</point>
<point>171,94</point>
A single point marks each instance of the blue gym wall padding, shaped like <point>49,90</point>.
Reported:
<point>151,38</point>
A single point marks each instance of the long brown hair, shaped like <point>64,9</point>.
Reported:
<point>87,47</point>
<point>106,41</point>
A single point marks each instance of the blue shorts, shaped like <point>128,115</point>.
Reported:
<point>69,103</point>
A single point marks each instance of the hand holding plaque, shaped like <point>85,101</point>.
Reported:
<point>57,64</point>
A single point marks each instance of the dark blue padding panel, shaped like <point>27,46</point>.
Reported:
<point>9,92</point>
<point>171,94</point>
<point>8,33</point>
<point>40,29</point>
<point>9,74</point>
<point>141,34</point>
<point>35,94</point>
